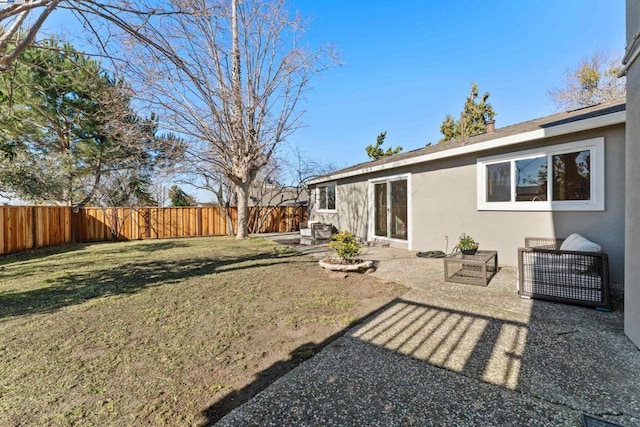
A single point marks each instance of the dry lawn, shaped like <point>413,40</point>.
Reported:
<point>171,332</point>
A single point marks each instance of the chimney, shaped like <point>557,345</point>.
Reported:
<point>491,126</point>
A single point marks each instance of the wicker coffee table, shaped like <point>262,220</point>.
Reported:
<point>477,269</point>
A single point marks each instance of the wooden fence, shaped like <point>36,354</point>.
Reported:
<point>28,227</point>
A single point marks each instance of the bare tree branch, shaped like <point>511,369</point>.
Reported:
<point>128,15</point>
<point>7,58</point>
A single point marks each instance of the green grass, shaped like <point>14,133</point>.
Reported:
<point>162,332</point>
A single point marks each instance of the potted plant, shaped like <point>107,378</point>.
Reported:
<point>467,245</point>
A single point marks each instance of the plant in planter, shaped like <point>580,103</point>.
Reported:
<point>467,245</point>
<point>347,247</point>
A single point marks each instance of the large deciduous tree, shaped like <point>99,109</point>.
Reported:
<point>72,128</point>
<point>230,77</point>
<point>592,81</point>
<point>475,115</point>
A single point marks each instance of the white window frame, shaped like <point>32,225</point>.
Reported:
<point>371,208</point>
<point>596,174</point>
<point>324,185</point>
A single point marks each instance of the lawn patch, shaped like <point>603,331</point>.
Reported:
<point>171,332</point>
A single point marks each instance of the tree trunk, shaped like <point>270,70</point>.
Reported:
<point>242,188</point>
<point>242,191</point>
<point>94,189</point>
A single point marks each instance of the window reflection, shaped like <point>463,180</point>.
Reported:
<point>499,182</point>
<point>572,176</point>
<point>380,201</point>
<point>399,209</point>
<point>327,197</point>
<point>531,180</point>
<point>331,197</point>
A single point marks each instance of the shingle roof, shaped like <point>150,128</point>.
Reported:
<point>531,125</point>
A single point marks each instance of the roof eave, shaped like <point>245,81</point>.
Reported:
<point>559,130</point>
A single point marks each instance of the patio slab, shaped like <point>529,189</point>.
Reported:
<point>448,353</point>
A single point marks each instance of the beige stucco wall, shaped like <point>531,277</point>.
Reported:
<point>444,203</point>
<point>632,226</point>
<point>351,208</point>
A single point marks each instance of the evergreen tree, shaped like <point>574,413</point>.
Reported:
<point>448,128</point>
<point>375,152</point>
<point>179,198</point>
<point>477,112</point>
<point>70,126</point>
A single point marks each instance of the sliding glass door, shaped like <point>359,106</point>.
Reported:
<point>390,209</point>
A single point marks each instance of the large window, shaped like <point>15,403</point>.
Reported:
<point>327,197</point>
<point>560,177</point>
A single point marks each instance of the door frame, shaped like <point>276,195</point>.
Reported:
<point>372,211</point>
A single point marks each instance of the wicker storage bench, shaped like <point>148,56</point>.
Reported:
<point>316,233</point>
<point>545,272</point>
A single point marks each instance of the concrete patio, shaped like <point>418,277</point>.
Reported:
<point>455,354</point>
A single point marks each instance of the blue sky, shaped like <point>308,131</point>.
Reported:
<point>406,64</point>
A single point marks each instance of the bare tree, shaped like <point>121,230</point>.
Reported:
<point>282,182</point>
<point>302,168</point>
<point>594,80</point>
<point>160,183</point>
<point>22,19</point>
<point>230,78</point>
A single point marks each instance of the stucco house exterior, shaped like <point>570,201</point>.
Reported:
<point>547,177</point>
<point>632,226</point>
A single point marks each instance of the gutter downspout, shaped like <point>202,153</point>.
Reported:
<point>630,55</point>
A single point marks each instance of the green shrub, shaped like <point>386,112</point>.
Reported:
<point>345,245</point>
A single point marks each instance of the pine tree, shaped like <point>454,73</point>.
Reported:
<point>179,198</point>
<point>375,152</point>
<point>476,114</point>
<point>70,125</point>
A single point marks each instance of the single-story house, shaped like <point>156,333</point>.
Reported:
<point>548,177</point>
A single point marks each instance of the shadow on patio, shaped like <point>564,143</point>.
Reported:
<point>477,346</point>
<point>459,354</point>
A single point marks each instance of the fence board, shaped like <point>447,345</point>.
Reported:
<point>2,242</point>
